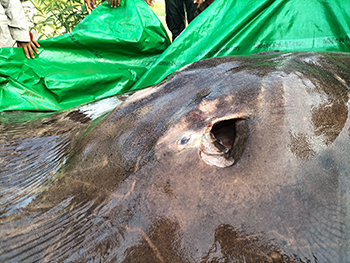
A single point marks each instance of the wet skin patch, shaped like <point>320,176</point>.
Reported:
<point>235,159</point>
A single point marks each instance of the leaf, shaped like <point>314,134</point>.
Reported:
<point>59,15</point>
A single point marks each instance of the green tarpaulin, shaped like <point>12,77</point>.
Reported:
<point>240,27</point>
<point>115,50</point>
<point>105,54</point>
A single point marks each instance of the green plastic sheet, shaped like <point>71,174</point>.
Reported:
<point>104,55</point>
<point>126,48</point>
<point>240,27</point>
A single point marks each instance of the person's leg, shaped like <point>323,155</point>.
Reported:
<point>191,9</point>
<point>175,16</point>
<point>199,10</point>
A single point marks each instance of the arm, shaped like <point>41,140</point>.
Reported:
<point>114,3</point>
<point>199,3</point>
<point>17,24</point>
<point>91,4</point>
<point>150,2</point>
<point>29,47</point>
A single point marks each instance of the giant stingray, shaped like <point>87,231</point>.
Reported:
<point>235,159</point>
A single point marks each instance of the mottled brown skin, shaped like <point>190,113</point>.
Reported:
<point>135,188</point>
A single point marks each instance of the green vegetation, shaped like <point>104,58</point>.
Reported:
<point>57,17</point>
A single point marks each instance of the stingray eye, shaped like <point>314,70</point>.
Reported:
<point>224,144</point>
<point>184,141</point>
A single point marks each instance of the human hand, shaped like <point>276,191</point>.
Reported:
<point>199,2</point>
<point>150,2</point>
<point>90,4</point>
<point>28,48</point>
<point>114,3</point>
